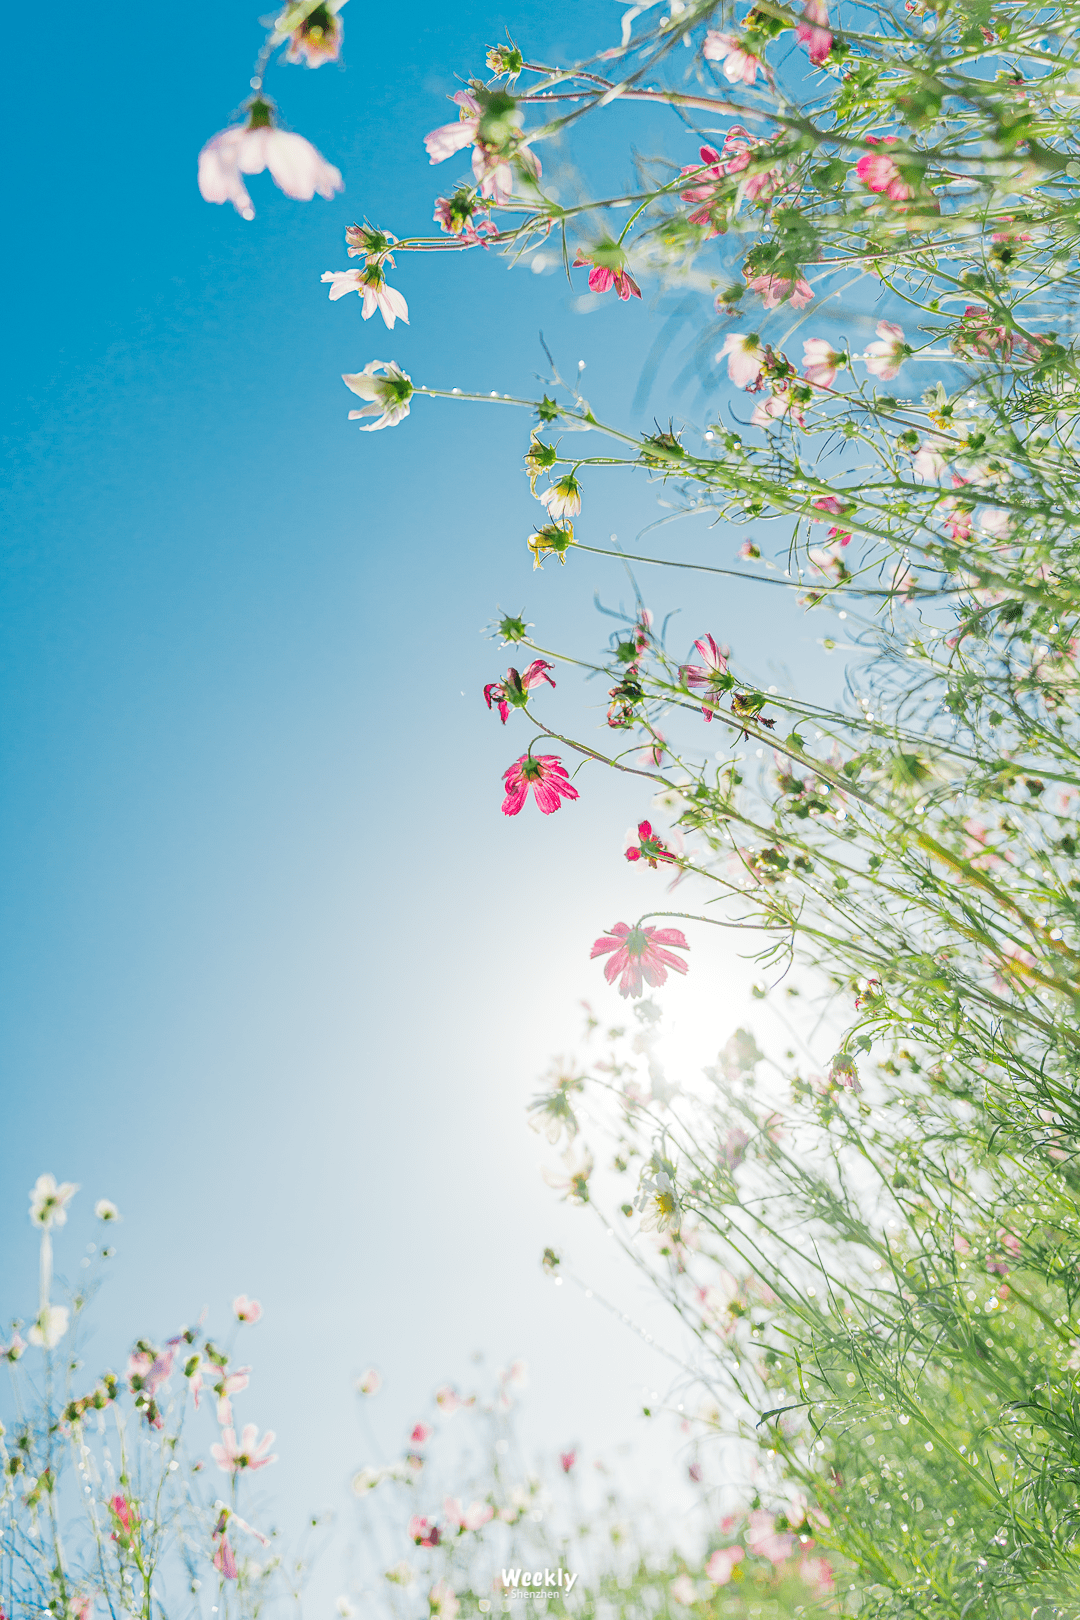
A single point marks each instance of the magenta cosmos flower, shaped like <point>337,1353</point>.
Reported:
<point>514,691</point>
<point>878,171</point>
<point>295,166</point>
<point>813,31</point>
<point>545,775</point>
<point>712,674</point>
<point>638,954</point>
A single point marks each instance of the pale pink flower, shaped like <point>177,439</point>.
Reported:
<point>885,356</point>
<point>763,1538</point>
<point>249,1453</point>
<point>877,171</point>
<point>246,1310</point>
<point>928,463</point>
<point>960,1244</point>
<point>733,1151</point>
<point>813,31</point>
<point>745,358</point>
<point>423,1532</point>
<point>775,289</point>
<point>82,1606</point>
<point>749,551</point>
<point>387,390</point>
<point>295,166</point>
<point>683,1590</point>
<point>442,1601</point>
<point>474,1517</point>
<point>712,674</point>
<point>495,177</point>
<point>637,954</point>
<point>229,1384</point>
<point>821,362</point>
<point>369,1383</point>
<point>319,37</point>
<point>224,1557</point>
<point>146,1373</point>
<point>443,142</point>
<point>573,1182</point>
<point>722,1563</point>
<point>739,63</point>
<point>448,1400</point>
<point>545,776</point>
<point>818,1573</point>
<point>373,288</point>
<point>774,409</point>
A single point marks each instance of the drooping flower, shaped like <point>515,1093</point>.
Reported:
<point>732,1150</point>
<point>246,1310</point>
<point>713,674</point>
<point>420,1434</point>
<point>722,1563</point>
<point>456,216</point>
<point>708,190</point>
<point>49,1200</point>
<point>843,1071</point>
<point>813,31</point>
<point>745,356</point>
<point>318,36</point>
<point>887,353</point>
<point>490,161</point>
<point>447,139</point>
<point>513,692</point>
<point>295,166</point>
<point>49,1327</point>
<point>739,63</point>
<point>821,362</point>
<point>878,171</point>
<point>229,1384</point>
<point>545,775</point>
<point>387,389</point>
<point>649,846</point>
<point>563,499</point>
<point>638,954</point>
<point>609,270</point>
<point>775,289</point>
<point>374,289</point>
<point>247,1454</point>
<point>146,1371</point>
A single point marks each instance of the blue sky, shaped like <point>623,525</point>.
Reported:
<point>275,974</point>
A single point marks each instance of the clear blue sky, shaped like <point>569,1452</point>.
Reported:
<point>276,974</point>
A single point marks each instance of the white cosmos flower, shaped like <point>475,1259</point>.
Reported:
<point>50,1327</point>
<point>106,1210</point>
<point>295,165</point>
<point>388,394</point>
<point>373,288</point>
<point>49,1200</point>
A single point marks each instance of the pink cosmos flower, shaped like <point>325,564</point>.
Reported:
<point>246,1310</point>
<point>295,166</point>
<point>637,954</point>
<point>604,276</point>
<point>707,187</point>
<point>713,674</point>
<point>373,288</point>
<point>739,63</point>
<point>14,1348</point>
<point>82,1606</point>
<point>567,1459</point>
<point>319,37</point>
<point>821,362</point>
<point>813,31</point>
<point>775,289</point>
<point>831,504</point>
<point>387,390</point>
<point>722,1563</point>
<point>649,847</point>
<point>545,775</point>
<point>763,1538</point>
<point>745,358</point>
<point>928,462</point>
<point>250,1453</point>
<point>420,1435</point>
<point>443,142</point>
<point>513,691</point>
<point>879,173</point>
<point>885,356</point>
<point>229,1384</point>
<point>474,1517</point>
<point>145,1373</point>
<point>423,1532</point>
<point>774,408</point>
<point>224,1557</point>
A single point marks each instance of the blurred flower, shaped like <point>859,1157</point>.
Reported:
<point>317,38</point>
<point>295,166</point>
<point>638,954</point>
<point>739,63</point>
<point>775,289</point>
<point>249,1454</point>
<point>423,1532</point>
<point>224,1558</point>
<point>733,1149</point>
<point>474,1517</point>
<point>763,1538</point>
<point>567,1459</point>
<point>818,1573</point>
<point>928,462</point>
<point>545,776</point>
<point>246,1310</point>
<point>387,389</point>
<point>374,289</point>
<point>227,1385</point>
<point>879,173</point>
<point>420,1434</point>
<point>369,1383</point>
<point>813,31</point>
<point>106,1210</point>
<point>887,354</point>
<point>683,1590</point>
<point>49,1200</point>
<point>401,1574</point>
<point>722,1563</point>
<point>573,1182</point>
<point>14,1347</point>
<point>659,1207</point>
<point>125,1515</point>
<point>842,1071</point>
<point>447,139</point>
<point>442,1601</point>
<point>49,1327</point>
<point>745,358</point>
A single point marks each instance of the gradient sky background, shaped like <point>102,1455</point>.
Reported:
<point>276,974</point>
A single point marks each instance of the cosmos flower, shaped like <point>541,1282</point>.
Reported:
<point>563,499</point>
<point>722,1563</point>
<point>49,1327</point>
<point>318,38</point>
<point>775,289</point>
<point>513,692</point>
<point>649,847</point>
<point>374,289</point>
<point>248,1454</point>
<point>879,173</point>
<point>369,1383</point>
<point>712,675</point>
<point>545,776</point>
<point>739,63</point>
<point>638,954</point>
<point>813,31</point>
<point>387,390</point>
<point>49,1200</point>
<point>246,1310</point>
<point>821,362</point>
<point>745,358</point>
<point>295,166</point>
<point>886,355</point>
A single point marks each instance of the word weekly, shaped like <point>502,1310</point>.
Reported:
<point>539,1577</point>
